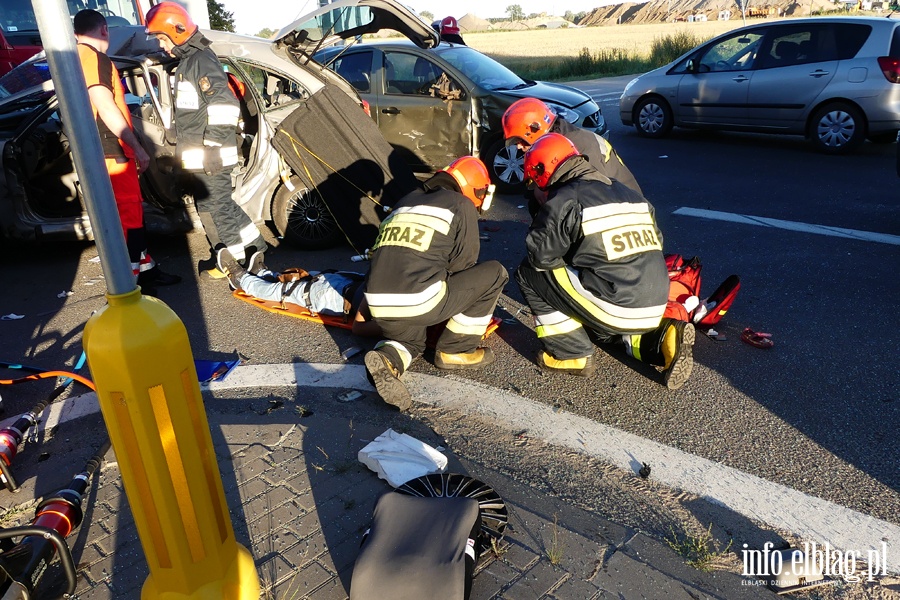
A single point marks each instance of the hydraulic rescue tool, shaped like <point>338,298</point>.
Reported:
<point>22,565</point>
<point>11,437</point>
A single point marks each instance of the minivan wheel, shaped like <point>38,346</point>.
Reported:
<point>837,128</point>
<point>506,164</point>
<point>302,218</point>
<point>653,117</point>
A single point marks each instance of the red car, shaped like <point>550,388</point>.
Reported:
<point>19,35</point>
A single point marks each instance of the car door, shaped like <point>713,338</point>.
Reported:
<point>795,66</point>
<point>421,110</point>
<point>149,100</point>
<point>716,85</point>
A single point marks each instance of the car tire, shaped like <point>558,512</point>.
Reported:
<point>653,117</point>
<point>837,128</point>
<point>506,164</point>
<point>302,218</point>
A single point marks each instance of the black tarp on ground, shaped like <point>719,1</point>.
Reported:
<point>335,147</point>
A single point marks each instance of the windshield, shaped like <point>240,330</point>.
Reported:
<point>483,71</point>
<point>18,15</point>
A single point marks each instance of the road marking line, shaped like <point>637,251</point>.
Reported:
<point>812,518</point>
<point>855,234</point>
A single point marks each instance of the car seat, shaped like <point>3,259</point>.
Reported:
<point>425,76</point>
<point>787,52</point>
<point>358,78</point>
<point>390,78</point>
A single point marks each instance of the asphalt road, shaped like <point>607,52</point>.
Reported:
<point>819,412</point>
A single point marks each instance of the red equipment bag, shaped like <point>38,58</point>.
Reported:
<point>685,281</point>
<point>719,302</point>
<point>684,277</point>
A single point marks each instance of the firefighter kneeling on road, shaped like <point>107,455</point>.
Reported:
<point>424,272</point>
<point>595,261</point>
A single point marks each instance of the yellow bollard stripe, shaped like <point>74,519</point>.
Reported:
<point>177,472</point>
<point>210,467</point>
<point>146,507</point>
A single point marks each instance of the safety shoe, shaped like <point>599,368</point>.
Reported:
<point>386,379</point>
<point>155,277</point>
<point>677,350</point>
<point>477,358</point>
<point>582,367</point>
<point>230,267</point>
<point>257,263</point>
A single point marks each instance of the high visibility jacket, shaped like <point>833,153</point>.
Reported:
<point>99,70</point>
<point>206,111</point>
<point>598,151</point>
<point>600,241</point>
<point>429,235</point>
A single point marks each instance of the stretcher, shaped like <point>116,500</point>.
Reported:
<point>344,322</point>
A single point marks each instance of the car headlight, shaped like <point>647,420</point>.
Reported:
<point>564,113</point>
<point>628,87</point>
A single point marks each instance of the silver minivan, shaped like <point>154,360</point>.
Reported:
<point>835,80</point>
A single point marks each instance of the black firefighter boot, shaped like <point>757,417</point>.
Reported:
<point>669,346</point>
<point>385,377</point>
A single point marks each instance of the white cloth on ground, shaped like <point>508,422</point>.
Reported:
<point>397,458</point>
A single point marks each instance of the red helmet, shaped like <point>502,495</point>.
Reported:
<point>473,180</point>
<point>170,18</point>
<point>545,156</point>
<point>526,120</point>
<point>449,25</point>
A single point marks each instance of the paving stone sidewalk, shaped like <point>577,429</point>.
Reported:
<point>300,502</point>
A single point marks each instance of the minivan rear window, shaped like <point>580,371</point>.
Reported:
<point>849,38</point>
<point>895,43</point>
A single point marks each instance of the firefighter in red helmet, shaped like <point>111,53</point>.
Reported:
<point>206,118</point>
<point>425,271</point>
<point>448,28</point>
<point>529,118</point>
<point>595,264</point>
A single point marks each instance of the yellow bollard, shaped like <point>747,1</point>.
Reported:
<point>142,365</point>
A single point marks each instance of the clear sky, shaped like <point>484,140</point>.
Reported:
<point>250,16</point>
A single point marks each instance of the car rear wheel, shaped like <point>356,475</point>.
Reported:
<point>837,128</point>
<point>302,218</point>
<point>506,165</point>
<point>653,117</point>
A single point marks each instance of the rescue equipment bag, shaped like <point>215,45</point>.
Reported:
<point>684,293</point>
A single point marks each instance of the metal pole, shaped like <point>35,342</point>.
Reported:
<point>55,27</point>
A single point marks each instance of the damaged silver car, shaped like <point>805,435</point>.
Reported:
<point>435,104</point>
<point>312,162</point>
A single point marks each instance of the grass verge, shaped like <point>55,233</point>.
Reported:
<point>606,62</point>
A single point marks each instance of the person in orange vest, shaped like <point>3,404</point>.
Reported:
<point>124,156</point>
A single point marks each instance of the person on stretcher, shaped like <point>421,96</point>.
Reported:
<point>338,293</point>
